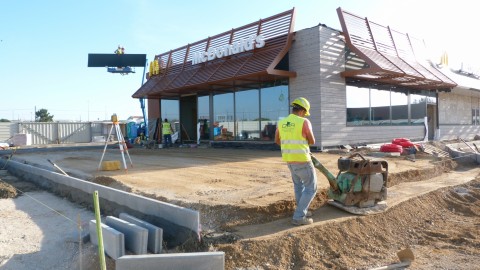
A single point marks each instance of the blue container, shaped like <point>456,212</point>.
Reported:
<point>132,130</point>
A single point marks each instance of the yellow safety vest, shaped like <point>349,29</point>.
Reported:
<point>166,128</point>
<point>294,146</point>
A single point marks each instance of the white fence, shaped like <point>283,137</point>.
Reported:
<point>56,132</point>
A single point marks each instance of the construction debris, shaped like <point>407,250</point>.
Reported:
<point>406,258</point>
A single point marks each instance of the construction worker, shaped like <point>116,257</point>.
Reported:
<point>294,135</point>
<point>167,131</point>
<point>119,50</point>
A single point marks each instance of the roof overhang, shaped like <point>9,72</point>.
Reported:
<point>464,79</point>
<point>181,74</point>
<point>390,57</point>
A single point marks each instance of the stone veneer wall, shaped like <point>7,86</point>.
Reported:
<point>455,116</point>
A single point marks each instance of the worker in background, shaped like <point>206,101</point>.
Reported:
<point>119,50</point>
<point>294,135</point>
<point>167,133</point>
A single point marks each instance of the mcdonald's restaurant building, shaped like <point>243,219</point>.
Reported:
<point>366,83</point>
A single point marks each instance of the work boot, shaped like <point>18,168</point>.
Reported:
<point>303,221</point>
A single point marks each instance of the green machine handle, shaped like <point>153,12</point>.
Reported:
<point>331,179</point>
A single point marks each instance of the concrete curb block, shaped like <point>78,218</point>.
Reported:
<point>176,261</point>
<point>179,224</point>
<point>55,147</point>
<point>113,240</point>
<point>136,237</point>
<point>155,234</point>
<point>461,156</point>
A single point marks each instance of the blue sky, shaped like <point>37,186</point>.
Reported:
<point>44,45</point>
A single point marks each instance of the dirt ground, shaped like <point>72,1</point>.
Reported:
<point>39,230</point>
<point>240,185</point>
<point>245,198</point>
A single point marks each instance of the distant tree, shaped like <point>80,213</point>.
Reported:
<point>4,120</point>
<point>43,115</point>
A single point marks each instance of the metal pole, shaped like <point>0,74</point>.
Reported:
<point>101,251</point>
<point>142,103</point>
<point>211,117</point>
<point>56,166</point>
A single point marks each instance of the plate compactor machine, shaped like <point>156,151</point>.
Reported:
<point>360,186</point>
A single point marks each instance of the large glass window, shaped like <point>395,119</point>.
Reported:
<point>274,106</point>
<point>223,117</point>
<point>380,107</point>
<point>358,106</point>
<point>475,105</point>
<point>247,115</point>
<point>475,117</point>
<point>399,101</point>
<point>170,109</point>
<point>430,97</point>
<point>418,108</point>
<point>370,106</point>
<point>203,105</point>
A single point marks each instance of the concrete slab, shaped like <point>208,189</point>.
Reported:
<point>175,261</point>
<point>465,152</point>
<point>113,240</point>
<point>155,234</point>
<point>136,237</point>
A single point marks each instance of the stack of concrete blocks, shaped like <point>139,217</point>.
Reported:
<point>113,240</point>
<point>155,234</point>
<point>127,232</point>
<point>22,139</point>
<point>138,236</point>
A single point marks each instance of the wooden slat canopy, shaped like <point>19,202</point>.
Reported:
<point>390,57</point>
<point>249,69</point>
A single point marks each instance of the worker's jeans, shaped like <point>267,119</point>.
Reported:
<point>305,186</point>
<point>167,140</point>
